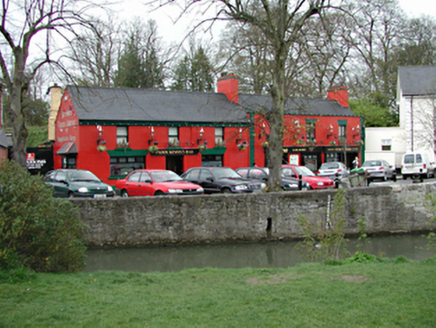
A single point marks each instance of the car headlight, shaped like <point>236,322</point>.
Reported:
<point>263,185</point>
<point>320,183</point>
<point>83,189</point>
<point>200,190</point>
<point>241,187</point>
<point>109,188</point>
<point>173,191</point>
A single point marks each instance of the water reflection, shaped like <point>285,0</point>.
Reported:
<point>265,255</point>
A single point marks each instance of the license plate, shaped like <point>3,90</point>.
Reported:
<point>100,196</point>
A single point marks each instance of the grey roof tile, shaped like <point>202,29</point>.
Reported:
<point>308,106</point>
<point>146,105</point>
<point>417,80</point>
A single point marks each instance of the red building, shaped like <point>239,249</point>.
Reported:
<point>112,131</point>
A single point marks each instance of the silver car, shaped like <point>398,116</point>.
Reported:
<point>379,169</point>
<point>333,170</point>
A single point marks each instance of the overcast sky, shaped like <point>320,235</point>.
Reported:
<point>172,31</point>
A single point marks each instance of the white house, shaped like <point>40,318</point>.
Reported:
<point>416,91</point>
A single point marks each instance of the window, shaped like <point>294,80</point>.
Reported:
<point>121,166</point>
<point>310,130</point>
<point>342,133</point>
<point>122,135</point>
<point>173,136</point>
<point>212,160</point>
<point>219,136</point>
<point>69,162</point>
<point>386,144</point>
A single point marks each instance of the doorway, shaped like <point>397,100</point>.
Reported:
<point>175,164</point>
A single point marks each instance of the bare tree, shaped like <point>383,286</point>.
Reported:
<point>94,54</point>
<point>281,23</point>
<point>30,31</point>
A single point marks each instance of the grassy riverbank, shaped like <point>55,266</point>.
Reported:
<point>388,293</point>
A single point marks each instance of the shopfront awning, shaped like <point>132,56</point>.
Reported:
<point>67,149</point>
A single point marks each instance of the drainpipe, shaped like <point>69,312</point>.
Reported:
<point>411,123</point>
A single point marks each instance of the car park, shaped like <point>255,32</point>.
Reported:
<point>154,183</point>
<point>262,173</point>
<point>222,180</point>
<point>333,170</point>
<point>68,183</point>
<point>302,172</point>
<point>379,169</point>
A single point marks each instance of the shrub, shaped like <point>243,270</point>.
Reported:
<point>37,231</point>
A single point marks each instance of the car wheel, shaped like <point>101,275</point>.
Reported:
<point>394,178</point>
<point>385,177</point>
<point>226,191</point>
<point>158,193</point>
<point>70,194</point>
<point>124,194</point>
<point>404,177</point>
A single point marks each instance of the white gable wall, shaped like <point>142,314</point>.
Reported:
<point>377,137</point>
<point>417,120</point>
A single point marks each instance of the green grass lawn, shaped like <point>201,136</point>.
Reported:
<point>391,293</point>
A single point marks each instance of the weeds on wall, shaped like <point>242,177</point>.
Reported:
<point>326,241</point>
<point>431,207</point>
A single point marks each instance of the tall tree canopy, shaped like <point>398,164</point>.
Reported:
<point>31,33</point>
<point>139,65</point>
<point>194,72</point>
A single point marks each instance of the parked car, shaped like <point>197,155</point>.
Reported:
<point>379,169</point>
<point>155,183</point>
<point>417,164</point>
<point>315,182</point>
<point>222,180</point>
<point>77,183</point>
<point>333,170</point>
<point>262,173</point>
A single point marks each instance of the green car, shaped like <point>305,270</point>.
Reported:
<point>69,183</point>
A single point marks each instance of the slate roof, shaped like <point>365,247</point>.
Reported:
<point>146,105</point>
<point>417,80</point>
<point>308,106</point>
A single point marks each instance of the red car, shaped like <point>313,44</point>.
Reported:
<point>314,181</point>
<point>154,183</point>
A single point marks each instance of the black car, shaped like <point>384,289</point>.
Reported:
<point>222,180</point>
<point>69,183</point>
<point>262,173</point>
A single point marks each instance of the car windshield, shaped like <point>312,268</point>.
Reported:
<point>329,166</point>
<point>224,172</point>
<point>82,176</point>
<point>371,163</point>
<point>164,176</point>
<point>304,171</point>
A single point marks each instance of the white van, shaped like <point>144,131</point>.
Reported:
<point>416,164</point>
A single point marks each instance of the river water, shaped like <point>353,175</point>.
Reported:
<point>256,255</point>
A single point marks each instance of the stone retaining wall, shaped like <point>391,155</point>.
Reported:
<point>252,217</point>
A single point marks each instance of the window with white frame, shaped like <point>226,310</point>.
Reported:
<point>122,135</point>
<point>219,136</point>
<point>386,144</point>
<point>173,136</point>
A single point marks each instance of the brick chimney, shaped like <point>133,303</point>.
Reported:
<point>340,94</point>
<point>55,102</point>
<point>229,85</point>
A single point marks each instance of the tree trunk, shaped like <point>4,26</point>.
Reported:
<point>275,153</point>
<point>20,133</point>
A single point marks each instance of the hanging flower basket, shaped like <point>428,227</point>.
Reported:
<point>101,147</point>
<point>359,142</point>
<point>202,148</point>
<point>265,144</point>
<point>333,143</point>
<point>152,149</point>
<point>242,146</point>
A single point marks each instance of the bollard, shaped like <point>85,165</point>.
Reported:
<point>300,183</point>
